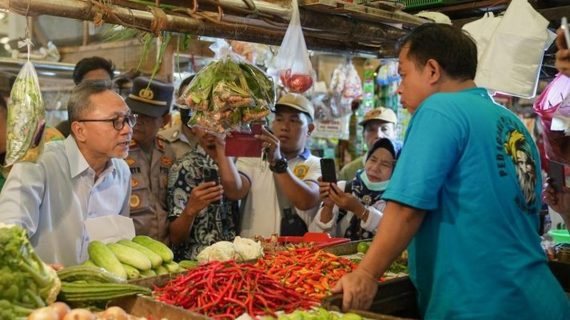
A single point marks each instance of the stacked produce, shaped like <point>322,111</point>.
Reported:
<point>92,286</point>
<point>308,271</point>
<point>26,282</point>
<point>132,259</point>
<point>226,290</point>
<point>227,94</point>
<point>241,249</point>
<point>61,311</point>
<point>319,314</point>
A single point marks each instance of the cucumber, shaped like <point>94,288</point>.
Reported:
<point>132,272</point>
<point>172,267</point>
<point>88,274</point>
<point>103,257</point>
<point>156,246</point>
<point>89,263</point>
<point>148,273</point>
<point>188,264</point>
<point>130,256</point>
<point>161,270</point>
<point>155,259</point>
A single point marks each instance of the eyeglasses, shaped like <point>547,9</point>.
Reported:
<point>118,122</point>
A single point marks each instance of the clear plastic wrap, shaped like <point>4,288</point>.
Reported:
<point>229,94</point>
<point>553,108</point>
<point>293,63</point>
<point>26,118</point>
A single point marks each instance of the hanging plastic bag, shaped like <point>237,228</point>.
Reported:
<point>293,64</point>
<point>26,118</point>
<point>482,31</point>
<point>511,62</point>
<point>228,93</point>
<point>553,108</point>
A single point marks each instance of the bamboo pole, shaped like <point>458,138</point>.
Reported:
<point>346,36</point>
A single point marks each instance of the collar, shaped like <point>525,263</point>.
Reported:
<point>305,154</point>
<point>77,162</point>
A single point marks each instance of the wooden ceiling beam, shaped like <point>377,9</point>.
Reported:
<point>325,32</point>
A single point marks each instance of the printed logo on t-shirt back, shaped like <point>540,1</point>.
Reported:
<point>512,145</point>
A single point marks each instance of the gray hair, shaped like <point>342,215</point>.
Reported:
<point>80,99</point>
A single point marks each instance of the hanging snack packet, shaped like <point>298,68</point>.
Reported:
<point>26,118</point>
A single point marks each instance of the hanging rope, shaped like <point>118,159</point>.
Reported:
<point>160,21</point>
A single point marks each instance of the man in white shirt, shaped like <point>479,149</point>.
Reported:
<point>74,180</point>
<point>284,193</point>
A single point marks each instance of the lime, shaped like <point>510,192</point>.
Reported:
<point>362,247</point>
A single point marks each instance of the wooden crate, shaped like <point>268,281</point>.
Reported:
<point>142,306</point>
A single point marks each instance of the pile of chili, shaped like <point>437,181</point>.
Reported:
<point>226,290</point>
<point>309,271</point>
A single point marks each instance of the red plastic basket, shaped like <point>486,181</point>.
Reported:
<point>321,240</point>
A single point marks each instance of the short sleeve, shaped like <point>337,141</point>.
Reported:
<point>433,144</point>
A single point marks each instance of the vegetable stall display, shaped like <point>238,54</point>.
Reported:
<point>226,290</point>
<point>309,271</point>
<point>26,282</point>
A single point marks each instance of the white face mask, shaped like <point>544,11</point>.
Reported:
<point>373,186</point>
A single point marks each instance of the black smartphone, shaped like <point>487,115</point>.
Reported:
<point>328,170</point>
<point>211,175</point>
<point>556,175</point>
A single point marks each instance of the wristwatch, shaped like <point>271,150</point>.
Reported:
<point>280,166</point>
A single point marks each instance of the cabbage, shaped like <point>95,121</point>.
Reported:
<point>247,249</point>
<point>241,249</point>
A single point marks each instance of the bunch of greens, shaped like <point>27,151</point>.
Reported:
<point>227,94</point>
<point>26,282</point>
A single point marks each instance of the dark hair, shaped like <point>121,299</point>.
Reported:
<point>453,49</point>
<point>80,98</point>
<point>185,113</point>
<point>184,84</point>
<point>89,64</point>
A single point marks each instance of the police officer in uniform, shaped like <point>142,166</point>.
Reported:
<point>150,157</point>
<point>178,135</point>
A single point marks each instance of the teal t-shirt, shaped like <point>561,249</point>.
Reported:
<point>473,167</point>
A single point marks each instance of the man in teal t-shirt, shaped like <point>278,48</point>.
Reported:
<point>465,192</point>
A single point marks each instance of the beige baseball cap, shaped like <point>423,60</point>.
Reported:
<point>380,113</point>
<point>297,102</point>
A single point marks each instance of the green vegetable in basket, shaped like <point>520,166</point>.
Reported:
<point>362,247</point>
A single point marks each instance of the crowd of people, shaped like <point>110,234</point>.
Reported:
<point>454,193</point>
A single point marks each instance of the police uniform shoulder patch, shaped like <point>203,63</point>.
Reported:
<point>166,161</point>
<point>160,144</point>
<point>301,170</point>
<point>134,201</point>
<point>130,161</point>
<point>134,183</point>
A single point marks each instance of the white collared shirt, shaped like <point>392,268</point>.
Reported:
<point>262,215</point>
<point>53,197</point>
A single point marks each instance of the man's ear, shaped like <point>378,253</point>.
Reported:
<point>79,131</point>
<point>311,127</point>
<point>433,70</point>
